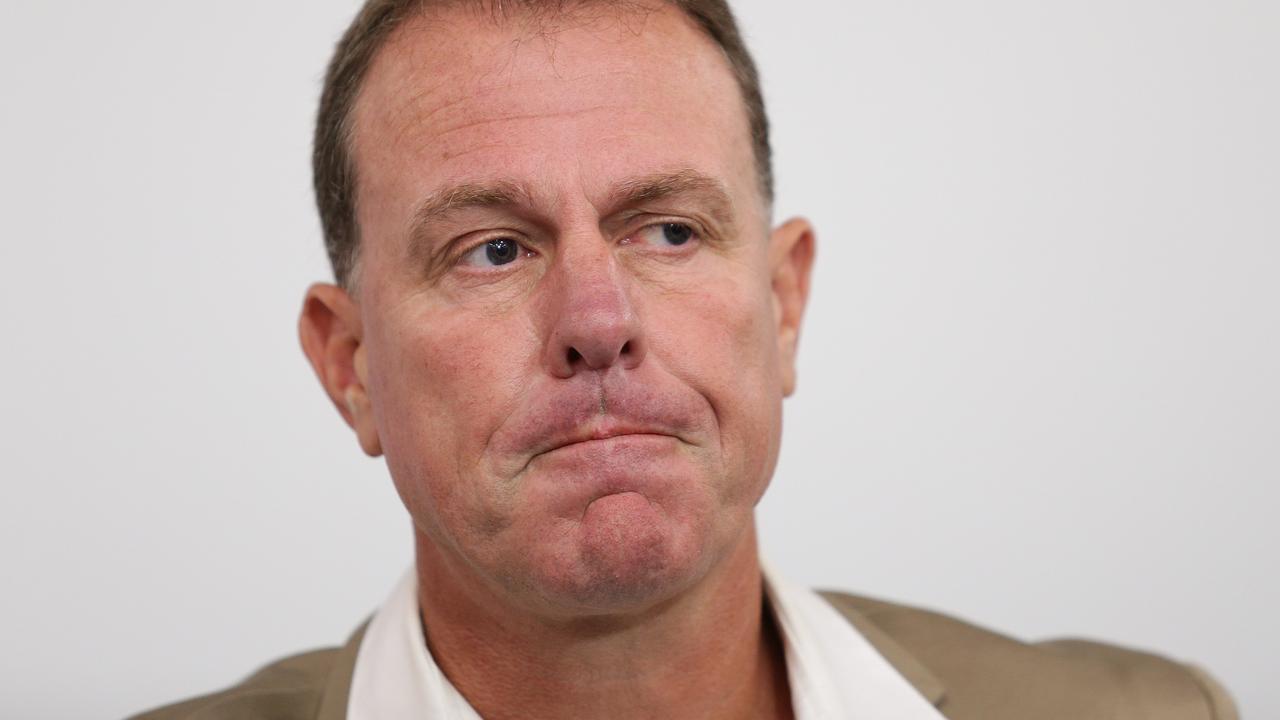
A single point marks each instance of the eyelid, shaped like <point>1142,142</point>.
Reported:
<point>469,247</point>
<point>699,234</point>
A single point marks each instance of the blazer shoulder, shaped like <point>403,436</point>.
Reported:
<point>287,688</point>
<point>985,674</point>
<point>308,685</point>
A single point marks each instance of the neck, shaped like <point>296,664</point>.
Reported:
<point>713,652</point>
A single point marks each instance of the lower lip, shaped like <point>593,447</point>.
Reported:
<point>633,447</point>
<point>626,438</point>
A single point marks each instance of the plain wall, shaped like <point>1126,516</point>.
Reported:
<point>1038,381</point>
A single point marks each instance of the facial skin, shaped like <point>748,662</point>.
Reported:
<point>571,331</point>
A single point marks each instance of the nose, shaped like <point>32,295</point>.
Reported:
<point>593,322</point>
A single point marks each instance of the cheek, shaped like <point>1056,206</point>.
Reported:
<point>446,380</point>
<point>721,341</point>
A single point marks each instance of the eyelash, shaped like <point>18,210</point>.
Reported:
<point>695,237</point>
<point>521,248</point>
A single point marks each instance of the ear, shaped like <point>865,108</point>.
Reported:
<point>331,334</point>
<point>791,249</point>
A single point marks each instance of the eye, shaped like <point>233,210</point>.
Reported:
<point>672,234</point>
<point>494,253</point>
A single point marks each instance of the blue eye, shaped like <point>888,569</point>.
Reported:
<point>676,233</point>
<point>494,253</point>
<point>670,234</point>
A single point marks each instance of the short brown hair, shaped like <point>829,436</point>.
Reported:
<point>332,163</point>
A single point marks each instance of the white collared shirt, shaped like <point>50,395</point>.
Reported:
<point>834,672</point>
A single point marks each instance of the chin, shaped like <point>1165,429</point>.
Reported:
<point>624,556</point>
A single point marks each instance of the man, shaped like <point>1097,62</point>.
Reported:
<point>562,318</point>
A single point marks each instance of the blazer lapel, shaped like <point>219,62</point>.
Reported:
<point>337,686</point>
<point>925,682</point>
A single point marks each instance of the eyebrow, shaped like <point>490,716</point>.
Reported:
<point>663,185</point>
<point>467,195</point>
<point>454,198</point>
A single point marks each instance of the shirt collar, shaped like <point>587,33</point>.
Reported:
<point>833,669</point>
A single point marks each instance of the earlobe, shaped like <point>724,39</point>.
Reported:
<point>332,340</point>
<point>791,252</point>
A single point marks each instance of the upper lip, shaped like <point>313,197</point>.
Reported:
<point>602,428</point>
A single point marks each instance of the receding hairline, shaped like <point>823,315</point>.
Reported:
<point>538,20</point>
<point>545,20</point>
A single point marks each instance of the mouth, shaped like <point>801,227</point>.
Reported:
<point>605,437</point>
<point>611,443</point>
<point>585,426</point>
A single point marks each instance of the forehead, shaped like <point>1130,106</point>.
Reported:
<point>568,104</point>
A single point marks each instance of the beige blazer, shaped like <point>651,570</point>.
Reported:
<point>968,673</point>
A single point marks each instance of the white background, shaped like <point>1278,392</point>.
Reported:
<point>1038,383</point>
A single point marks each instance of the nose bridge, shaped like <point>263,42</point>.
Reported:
<point>590,278</point>
<point>593,323</point>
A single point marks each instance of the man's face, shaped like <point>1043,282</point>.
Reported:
<point>571,338</point>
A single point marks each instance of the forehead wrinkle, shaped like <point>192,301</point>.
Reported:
<point>422,90</point>
<point>430,94</point>
<point>422,64</point>
<point>480,122</point>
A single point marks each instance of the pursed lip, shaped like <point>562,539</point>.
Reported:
<point>604,429</point>
<point>592,410</point>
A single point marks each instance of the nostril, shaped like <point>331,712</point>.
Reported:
<point>626,348</point>
<point>574,355</point>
